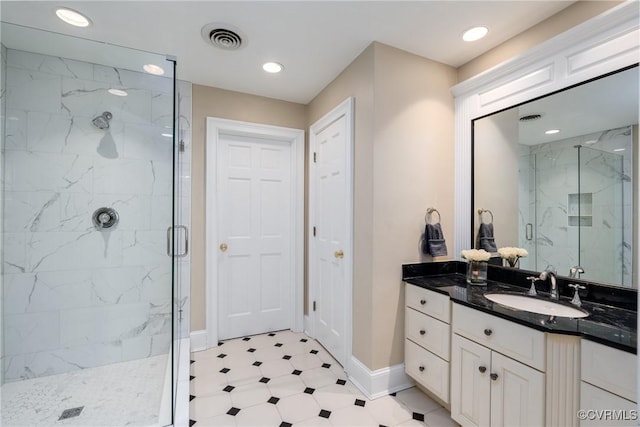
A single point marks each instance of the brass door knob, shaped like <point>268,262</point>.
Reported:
<point>223,247</point>
<point>338,254</point>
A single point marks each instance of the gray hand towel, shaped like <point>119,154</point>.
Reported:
<point>435,245</point>
<point>485,239</point>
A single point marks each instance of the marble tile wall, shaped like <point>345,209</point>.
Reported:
<point>76,297</point>
<point>552,171</point>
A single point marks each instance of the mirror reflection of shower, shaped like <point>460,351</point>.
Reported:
<point>107,147</point>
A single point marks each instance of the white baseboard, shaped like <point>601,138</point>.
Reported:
<point>307,325</point>
<point>198,340</point>
<point>380,382</point>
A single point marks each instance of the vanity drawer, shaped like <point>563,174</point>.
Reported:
<point>428,332</point>
<point>609,368</point>
<point>428,302</point>
<point>523,344</point>
<point>427,369</point>
<point>595,399</point>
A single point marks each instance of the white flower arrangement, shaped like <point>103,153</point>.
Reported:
<point>475,255</point>
<point>512,255</point>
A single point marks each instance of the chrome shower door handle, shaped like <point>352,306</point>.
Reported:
<point>186,240</point>
<point>529,231</point>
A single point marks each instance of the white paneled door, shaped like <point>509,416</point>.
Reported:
<point>254,233</point>
<point>330,255</point>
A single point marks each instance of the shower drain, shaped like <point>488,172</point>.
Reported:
<point>70,413</point>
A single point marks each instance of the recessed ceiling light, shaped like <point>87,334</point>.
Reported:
<point>618,149</point>
<point>153,69</point>
<point>475,33</point>
<point>72,17</point>
<point>272,67</point>
<point>117,92</point>
<point>593,141</point>
<point>167,135</point>
<point>552,131</point>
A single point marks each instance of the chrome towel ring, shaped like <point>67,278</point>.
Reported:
<point>428,214</point>
<point>481,211</point>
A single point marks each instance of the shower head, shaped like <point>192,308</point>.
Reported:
<point>102,121</point>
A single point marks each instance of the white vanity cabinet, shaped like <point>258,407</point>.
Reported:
<point>608,384</point>
<point>427,339</point>
<point>489,387</point>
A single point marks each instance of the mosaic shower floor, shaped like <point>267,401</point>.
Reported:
<point>120,394</point>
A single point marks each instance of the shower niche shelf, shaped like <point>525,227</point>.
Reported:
<point>580,210</point>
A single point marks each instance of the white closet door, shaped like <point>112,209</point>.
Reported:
<point>330,213</point>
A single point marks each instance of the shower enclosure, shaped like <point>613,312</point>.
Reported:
<point>576,205</point>
<point>90,281</point>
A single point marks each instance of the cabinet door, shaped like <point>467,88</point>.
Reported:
<point>517,393</point>
<point>470,384</point>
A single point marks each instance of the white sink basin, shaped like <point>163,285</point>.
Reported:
<point>536,305</point>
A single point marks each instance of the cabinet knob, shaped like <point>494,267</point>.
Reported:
<point>482,369</point>
<point>488,332</point>
<point>494,376</point>
<point>422,332</point>
<point>423,302</point>
<point>421,368</point>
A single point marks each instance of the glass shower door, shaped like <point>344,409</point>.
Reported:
<point>87,201</point>
<point>578,201</point>
<point>600,206</point>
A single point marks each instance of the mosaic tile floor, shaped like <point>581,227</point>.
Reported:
<point>121,394</point>
<point>288,379</point>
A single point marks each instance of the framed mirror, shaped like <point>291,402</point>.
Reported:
<point>557,176</point>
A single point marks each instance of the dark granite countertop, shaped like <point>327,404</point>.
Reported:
<point>610,322</point>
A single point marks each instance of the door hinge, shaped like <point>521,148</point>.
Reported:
<point>181,146</point>
<point>314,306</point>
<point>315,157</point>
<point>314,231</point>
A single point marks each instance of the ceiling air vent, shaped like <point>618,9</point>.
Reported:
<point>530,117</point>
<point>223,36</point>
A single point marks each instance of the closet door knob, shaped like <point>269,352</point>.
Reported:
<point>421,368</point>
<point>494,376</point>
<point>482,369</point>
<point>422,332</point>
<point>223,247</point>
<point>423,302</point>
<point>488,332</point>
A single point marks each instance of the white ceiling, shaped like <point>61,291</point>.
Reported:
<point>315,40</point>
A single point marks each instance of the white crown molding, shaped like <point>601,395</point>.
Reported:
<point>619,19</point>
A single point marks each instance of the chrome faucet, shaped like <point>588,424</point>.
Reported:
<point>551,273</point>
<point>575,270</point>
